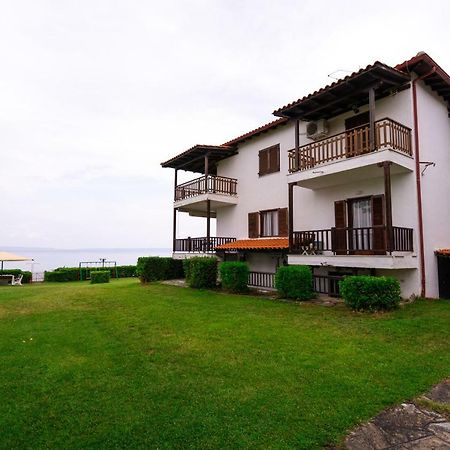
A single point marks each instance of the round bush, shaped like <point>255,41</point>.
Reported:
<point>294,282</point>
<point>367,293</point>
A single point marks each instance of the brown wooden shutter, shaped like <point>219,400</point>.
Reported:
<point>339,235</point>
<point>253,225</point>
<point>379,239</point>
<point>263,162</point>
<point>274,159</point>
<point>283,222</point>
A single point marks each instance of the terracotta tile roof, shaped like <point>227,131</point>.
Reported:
<point>257,244</point>
<point>376,64</point>
<point>257,131</point>
<point>443,251</point>
<point>438,79</point>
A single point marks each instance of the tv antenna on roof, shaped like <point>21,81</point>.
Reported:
<point>331,75</point>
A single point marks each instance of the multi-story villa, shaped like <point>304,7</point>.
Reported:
<point>351,179</point>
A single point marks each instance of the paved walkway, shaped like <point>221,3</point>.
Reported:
<point>407,426</point>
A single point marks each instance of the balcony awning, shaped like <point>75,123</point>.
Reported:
<point>275,243</point>
<point>345,94</point>
<point>193,159</point>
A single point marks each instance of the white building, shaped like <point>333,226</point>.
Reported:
<point>351,179</point>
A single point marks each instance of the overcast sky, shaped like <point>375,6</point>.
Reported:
<point>95,94</point>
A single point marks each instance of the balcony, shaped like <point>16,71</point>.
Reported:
<point>200,244</point>
<point>354,247</point>
<point>193,195</point>
<point>330,161</point>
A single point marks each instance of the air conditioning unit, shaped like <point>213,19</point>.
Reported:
<point>317,130</point>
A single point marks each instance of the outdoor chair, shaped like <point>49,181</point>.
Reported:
<point>17,281</point>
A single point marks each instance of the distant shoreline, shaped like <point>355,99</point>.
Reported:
<point>51,258</point>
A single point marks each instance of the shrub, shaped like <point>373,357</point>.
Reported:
<point>115,272</point>
<point>234,276</point>
<point>16,272</point>
<point>201,272</point>
<point>294,282</point>
<point>124,271</point>
<point>368,293</point>
<point>63,274</point>
<point>100,276</point>
<point>154,268</point>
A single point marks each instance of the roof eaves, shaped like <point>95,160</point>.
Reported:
<point>257,131</point>
<point>346,79</point>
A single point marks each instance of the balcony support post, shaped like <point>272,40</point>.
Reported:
<point>372,119</point>
<point>291,215</point>
<point>208,221</point>
<point>388,204</point>
<point>297,144</point>
<point>175,185</point>
<point>206,172</point>
<point>174,231</point>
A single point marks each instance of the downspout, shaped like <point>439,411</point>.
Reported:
<point>418,182</point>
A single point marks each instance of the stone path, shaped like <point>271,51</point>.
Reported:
<point>407,426</point>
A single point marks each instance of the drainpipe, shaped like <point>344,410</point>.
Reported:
<point>418,182</point>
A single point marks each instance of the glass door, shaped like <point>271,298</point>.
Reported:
<point>361,224</point>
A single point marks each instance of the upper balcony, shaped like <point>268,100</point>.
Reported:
<point>333,159</point>
<point>193,195</point>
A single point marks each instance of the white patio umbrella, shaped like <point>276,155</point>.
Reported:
<point>6,256</point>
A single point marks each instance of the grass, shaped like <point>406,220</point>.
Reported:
<point>122,365</point>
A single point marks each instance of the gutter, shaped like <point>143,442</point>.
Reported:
<point>418,181</point>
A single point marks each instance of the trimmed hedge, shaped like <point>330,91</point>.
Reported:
<point>201,272</point>
<point>63,274</point>
<point>155,268</point>
<point>369,293</point>
<point>100,276</point>
<point>234,276</point>
<point>16,272</point>
<point>294,282</point>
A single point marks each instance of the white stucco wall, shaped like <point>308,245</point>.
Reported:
<point>255,193</point>
<point>434,142</point>
<point>314,209</point>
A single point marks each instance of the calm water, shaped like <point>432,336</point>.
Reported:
<point>49,259</point>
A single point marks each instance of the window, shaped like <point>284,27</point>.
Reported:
<point>269,160</point>
<point>269,223</point>
<point>272,222</point>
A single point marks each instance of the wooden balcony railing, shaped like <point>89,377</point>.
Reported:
<point>327,284</point>
<point>348,241</point>
<point>213,184</point>
<point>350,143</point>
<point>261,279</point>
<point>200,244</point>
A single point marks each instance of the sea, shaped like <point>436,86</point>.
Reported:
<point>51,258</point>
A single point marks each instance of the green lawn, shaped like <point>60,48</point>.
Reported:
<point>130,366</point>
